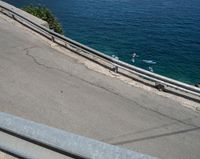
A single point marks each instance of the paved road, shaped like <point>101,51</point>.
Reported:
<point>41,84</point>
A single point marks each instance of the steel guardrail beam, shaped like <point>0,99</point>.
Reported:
<point>117,63</point>
<point>59,141</point>
<point>20,148</point>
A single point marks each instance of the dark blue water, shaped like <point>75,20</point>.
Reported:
<point>165,31</point>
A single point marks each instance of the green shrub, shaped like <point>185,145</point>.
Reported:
<point>45,14</point>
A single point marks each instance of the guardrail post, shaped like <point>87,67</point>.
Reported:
<point>53,38</point>
<point>160,86</point>
<point>13,16</point>
<point>115,69</point>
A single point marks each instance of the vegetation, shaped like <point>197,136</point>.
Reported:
<point>46,15</point>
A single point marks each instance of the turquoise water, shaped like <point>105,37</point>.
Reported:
<point>167,32</point>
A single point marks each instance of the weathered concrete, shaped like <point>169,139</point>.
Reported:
<point>43,85</point>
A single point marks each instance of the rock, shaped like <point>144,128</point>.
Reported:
<point>197,85</point>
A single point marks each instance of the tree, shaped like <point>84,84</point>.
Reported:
<point>46,15</point>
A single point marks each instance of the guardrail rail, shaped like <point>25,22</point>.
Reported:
<point>27,139</point>
<point>118,66</point>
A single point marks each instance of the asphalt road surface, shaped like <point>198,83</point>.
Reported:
<point>41,84</point>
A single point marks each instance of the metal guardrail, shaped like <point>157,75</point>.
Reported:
<point>78,47</point>
<point>59,142</point>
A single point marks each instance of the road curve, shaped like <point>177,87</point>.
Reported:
<point>41,84</point>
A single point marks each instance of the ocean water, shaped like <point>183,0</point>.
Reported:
<point>165,34</point>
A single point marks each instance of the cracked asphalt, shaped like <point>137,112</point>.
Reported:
<point>41,84</point>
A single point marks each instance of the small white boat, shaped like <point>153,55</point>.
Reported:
<point>149,61</point>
